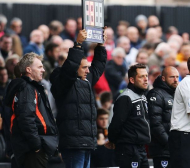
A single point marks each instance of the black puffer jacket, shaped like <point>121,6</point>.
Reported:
<point>76,118</point>
<point>32,123</point>
<point>160,102</point>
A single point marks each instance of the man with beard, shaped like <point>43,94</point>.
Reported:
<point>160,102</point>
<point>129,129</point>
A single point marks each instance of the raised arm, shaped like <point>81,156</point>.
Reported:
<point>63,78</point>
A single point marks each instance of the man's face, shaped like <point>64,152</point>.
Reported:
<point>185,50</point>
<point>119,58</point>
<point>133,35</point>
<point>38,37</point>
<point>55,53</point>
<point>6,44</point>
<point>36,70</point>
<point>71,27</point>
<point>16,27</point>
<point>121,30</point>
<point>3,77</point>
<point>171,78</point>
<point>11,65</point>
<point>142,58</point>
<point>125,44</point>
<point>141,79</point>
<point>102,121</point>
<point>83,69</point>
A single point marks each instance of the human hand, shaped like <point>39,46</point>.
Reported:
<point>104,36</point>
<point>109,145</point>
<point>82,35</point>
<point>37,151</point>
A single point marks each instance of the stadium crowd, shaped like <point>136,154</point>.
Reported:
<point>145,43</point>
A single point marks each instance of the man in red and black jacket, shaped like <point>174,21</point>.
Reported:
<point>34,135</point>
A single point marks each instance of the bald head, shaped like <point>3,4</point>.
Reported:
<point>36,36</point>
<point>133,34</point>
<point>183,69</point>
<point>45,31</point>
<point>152,35</point>
<point>170,75</point>
<point>153,21</point>
<point>124,43</point>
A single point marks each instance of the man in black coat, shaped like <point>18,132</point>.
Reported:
<point>72,89</point>
<point>160,102</point>
<point>129,129</point>
<point>34,134</point>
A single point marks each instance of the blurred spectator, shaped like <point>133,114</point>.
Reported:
<point>2,61</point>
<point>184,52</point>
<point>153,21</point>
<point>131,53</point>
<point>70,30</point>
<point>6,43</point>
<point>66,44</point>
<point>185,37</point>
<point>102,121</point>
<point>177,38</point>
<point>183,70</point>
<point>122,28</point>
<point>79,23</point>
<point>174,45</point>
<point>142,57</point>
<point>16,26</point>
<point>170,31</point>
<point>109,44</point>
<point>3,82</point>
<point>141,22</point>
<point>154,72</point>
<point>52,52</point>
<point>152,36</point>
<point>156,59</point>
<point>102,84</point>
<point>106,100</point>
<point>102,157</point>
<point>46,32</point>
<point>149,48</point>
<point>17,45</point>
<point>10,64</point>
<point>55,27</point>
<point>57,40</point>
<point>170,60</point>
<point>36,43</point>
<point>115,71</point>
<point>133,35</point>
<point>3,22</point>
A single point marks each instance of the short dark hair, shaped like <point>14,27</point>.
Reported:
<point>188,64</point>
<point>132,72</point>
<point>105,97</point>
<point>141,51</point>
<point>49,47</point>
<point>102,111</point>
<point>5,36</point>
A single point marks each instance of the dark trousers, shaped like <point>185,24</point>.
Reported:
<point>161,162</point>
<point>76,158</point>
<point>179,145</point>
<point>131,156</point>
<point>35,160</point>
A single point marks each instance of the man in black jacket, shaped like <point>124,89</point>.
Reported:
<point>160,102</point>
<point>129,129</point>
<point>33,129</point>
<point>72,89</point>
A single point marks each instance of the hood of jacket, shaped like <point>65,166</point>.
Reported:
<point>14,86</point>
<point>159,83</point>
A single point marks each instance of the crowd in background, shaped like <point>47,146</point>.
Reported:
<point>144,43</point>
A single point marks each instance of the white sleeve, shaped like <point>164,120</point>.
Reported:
<point>185,93</point>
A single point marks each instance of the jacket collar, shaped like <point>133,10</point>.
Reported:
<point>136,89</point>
